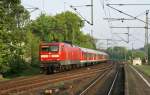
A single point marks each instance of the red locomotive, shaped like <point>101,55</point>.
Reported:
<point>58,56</point>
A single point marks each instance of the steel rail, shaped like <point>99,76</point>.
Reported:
<point>93,83</point>
<point>111,88</point>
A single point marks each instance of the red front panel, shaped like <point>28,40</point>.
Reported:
<point>49,52</point>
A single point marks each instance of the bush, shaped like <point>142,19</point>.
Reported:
<point>17,65</point>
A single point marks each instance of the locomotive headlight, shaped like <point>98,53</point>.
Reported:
<point>44,56</point>
<point>55,55</point>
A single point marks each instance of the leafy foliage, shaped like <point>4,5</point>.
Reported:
<point>13,17</point>
<point>121,53</point>
<point>32,48</point>
<point>65,26</point>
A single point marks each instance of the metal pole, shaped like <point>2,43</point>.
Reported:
<point>128,35</point>
<point>91,33</point>
<point>91,12</point>
<point>125,56</point>
<point>112,54</point>
<point>107,43</point>
<point>43,6</point>
<point>72,35</point>
<point>65,38</point>
<point>132,53</point>
<point>146,37</point>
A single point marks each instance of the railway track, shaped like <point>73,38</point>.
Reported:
<point>20,81</point>
<point>41,80</point>
<point>113,84</point>
<point>107,83</point>
<point>94,82</point>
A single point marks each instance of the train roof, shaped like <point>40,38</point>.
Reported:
<point>83,49</point>
<point>53,43</point>
<point>92,51</point>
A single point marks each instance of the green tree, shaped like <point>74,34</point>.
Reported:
<point>31,48</point>
<point>13,17</point>
<point>118,53</point>
<point>64,26</point>
<point>43,27</point>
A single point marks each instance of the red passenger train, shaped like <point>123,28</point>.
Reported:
<point>57,56</point>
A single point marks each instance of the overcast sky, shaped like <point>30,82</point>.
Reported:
<point>101,28</point>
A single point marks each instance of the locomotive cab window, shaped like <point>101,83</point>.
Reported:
<point>45,48</point>
<point>50,48</point>
<point>54,48</point>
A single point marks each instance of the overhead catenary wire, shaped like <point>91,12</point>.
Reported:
<point>84,18</point>
<point>116,19</point>
<point>143,13</point>
<point>133,17</point>
<point>128,27</point>
<point>82,6</point>
<point>107,14</point>
<point>129,4</point>
<point>126,14</point>
<point>31,8</point>
<point>126,19</point>
<point>146,27</point>
<point>104,9</point>
<point>137,39</point>
<point>122,39</point>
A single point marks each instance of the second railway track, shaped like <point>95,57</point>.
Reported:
<point>111,82</point>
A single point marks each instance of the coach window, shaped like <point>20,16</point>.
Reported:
<point>86,55</point>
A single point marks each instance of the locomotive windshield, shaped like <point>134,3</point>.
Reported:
<point>50,48</point>
<point>54,48</point>
<point>45,48</point>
